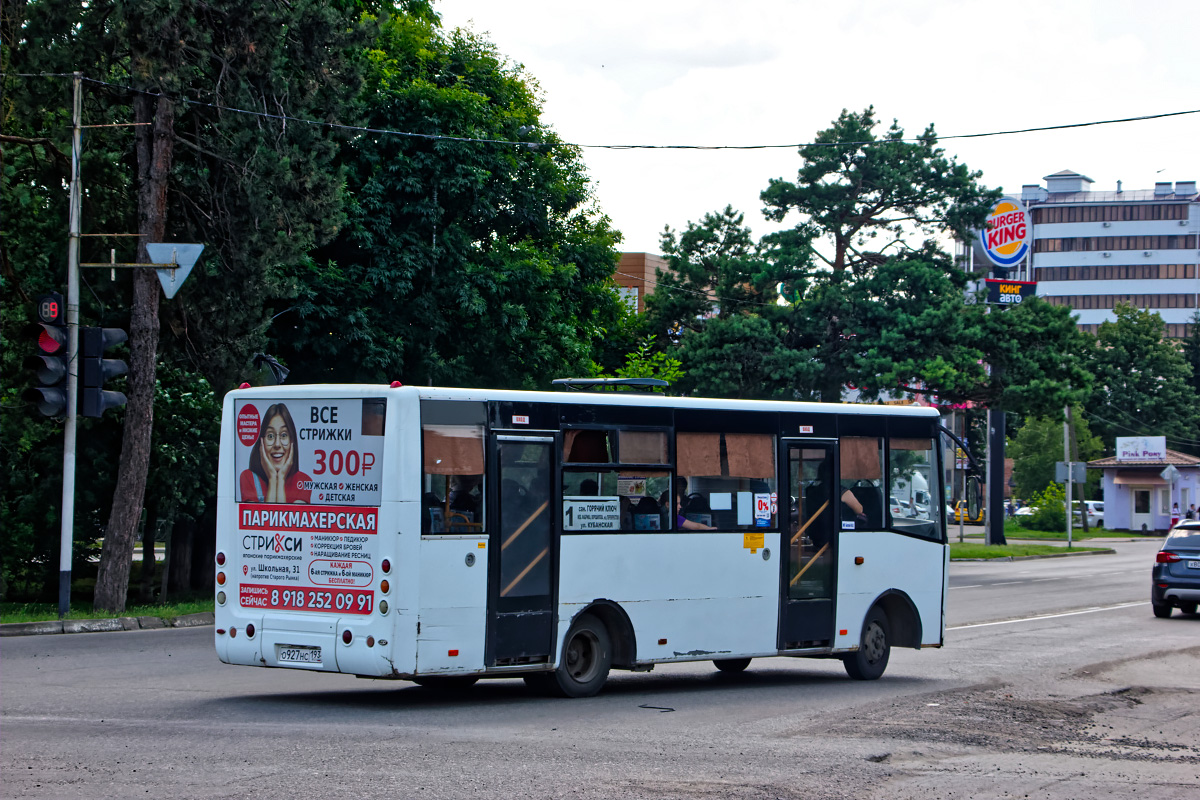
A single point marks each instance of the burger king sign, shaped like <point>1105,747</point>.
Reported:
<point>1006,232</point>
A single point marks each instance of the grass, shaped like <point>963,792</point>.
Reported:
<point>973,550</point>
<point>1012,532</point>
<point>41,612</point>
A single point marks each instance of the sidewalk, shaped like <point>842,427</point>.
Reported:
<point>102,625</point>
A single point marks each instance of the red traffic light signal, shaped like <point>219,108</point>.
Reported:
<point>49,361</point>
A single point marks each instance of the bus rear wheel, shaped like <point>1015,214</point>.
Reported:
<point>868,662</point>
<point>731,664</point>
<point>586,660</point>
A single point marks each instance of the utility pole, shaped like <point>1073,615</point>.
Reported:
<point>1070,465</point>
<point>67,537</point>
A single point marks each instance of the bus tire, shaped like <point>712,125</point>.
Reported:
<point>731,664</point>
<point>586,660</point>
<point>868,662</point>
<point>446,683</point>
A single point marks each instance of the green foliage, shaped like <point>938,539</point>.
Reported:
<point>462,263</point>
<point>1038,446</point>
<point>644,362</point>
<point>1191,352</point>
<point>1050,513</point>
<point>1143,383</point>
<point>744,357</point>
<point>863,195</point>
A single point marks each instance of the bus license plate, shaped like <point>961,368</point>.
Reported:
<point>297,654</point>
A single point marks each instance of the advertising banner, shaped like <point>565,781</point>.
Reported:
<point>308,474</point>
<point>1141,448</point>
<point>1006,292</point>
<point>320,452</point>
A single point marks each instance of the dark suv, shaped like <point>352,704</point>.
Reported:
<point>1176,576</point>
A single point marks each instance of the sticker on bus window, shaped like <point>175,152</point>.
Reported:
<point>591,513</point>
<point>848,525</point>
<point>309,451</point>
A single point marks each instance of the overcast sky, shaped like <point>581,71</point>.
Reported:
<point>774,72</point>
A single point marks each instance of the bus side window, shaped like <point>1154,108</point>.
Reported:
<point>913,487</point>
<point>453,481</point>
<point>726,480</point>
<point>861,482</point>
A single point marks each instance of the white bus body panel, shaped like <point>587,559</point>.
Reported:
<point>706,594</point>
<point>453,607</point>
<point>890,561</point>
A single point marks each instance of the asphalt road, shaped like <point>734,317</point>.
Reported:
<point>1053,673</point>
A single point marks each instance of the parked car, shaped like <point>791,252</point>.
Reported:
<point>1024,511</point>
<point>1175,579</point>
<point>960,510</point>
<point>1095,512</point>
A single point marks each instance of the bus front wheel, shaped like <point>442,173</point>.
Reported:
<point>586,660</point>
<point>871,659</point>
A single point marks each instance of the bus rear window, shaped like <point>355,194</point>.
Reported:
<point>453,482</point>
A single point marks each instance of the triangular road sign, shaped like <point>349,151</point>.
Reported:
<point>184,255</point>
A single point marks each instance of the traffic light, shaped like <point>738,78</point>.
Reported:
<point>50,361</point>
<point>95,369</point>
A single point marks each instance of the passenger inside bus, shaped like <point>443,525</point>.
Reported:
<point>682,522</point>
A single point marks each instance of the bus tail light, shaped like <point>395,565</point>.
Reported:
<point>347,636</point>
<point>233,633</point>
<point>383,606</point>
<point>221,598</point>
<point>384,586</point>
<point>250,630</point>
<point>220,579</point>
<point>220,559</point>
<point>1166,557</point>
<point>386,565</point>
<point>370,641</point>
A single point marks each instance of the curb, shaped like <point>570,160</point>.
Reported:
<point>1105,552</point>
<point>103,625</point>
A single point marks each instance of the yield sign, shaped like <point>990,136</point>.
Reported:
<point>184,255</point>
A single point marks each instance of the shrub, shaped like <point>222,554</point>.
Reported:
<point>1051,510</point>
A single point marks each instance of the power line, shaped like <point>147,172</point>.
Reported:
<point>481,140</point>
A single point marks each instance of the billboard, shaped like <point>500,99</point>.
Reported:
<point>1141,448</point>
<point>1007,232</point>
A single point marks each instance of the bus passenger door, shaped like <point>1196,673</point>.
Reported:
<point>809,546</point>
<point>524,552</point>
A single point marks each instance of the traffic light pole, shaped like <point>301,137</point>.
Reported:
<point>67,538</point>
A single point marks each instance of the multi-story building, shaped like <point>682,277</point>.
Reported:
<point>1093,250</point>
<point>636,277</point>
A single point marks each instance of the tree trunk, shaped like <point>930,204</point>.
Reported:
<point>183,536</point>
<point>155,144</point>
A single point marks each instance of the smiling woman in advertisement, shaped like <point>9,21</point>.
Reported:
<point>274,474</point>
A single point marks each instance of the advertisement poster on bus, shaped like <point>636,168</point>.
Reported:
<point>308,490</point>
<point>319,452</point>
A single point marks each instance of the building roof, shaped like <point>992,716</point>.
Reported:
<point>1174,457</point>
<point>1135,196</point>
<point>1067,173</point>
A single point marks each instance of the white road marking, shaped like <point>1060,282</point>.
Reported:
<point>1050,616</point>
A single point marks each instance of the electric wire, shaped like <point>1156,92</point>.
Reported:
<point>592,146</point>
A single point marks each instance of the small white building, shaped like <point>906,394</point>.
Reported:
<point>1137,495</point>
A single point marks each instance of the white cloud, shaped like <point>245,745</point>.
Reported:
<point>773,71</point>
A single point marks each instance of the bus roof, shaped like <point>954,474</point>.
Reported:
<point>591,398</point>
